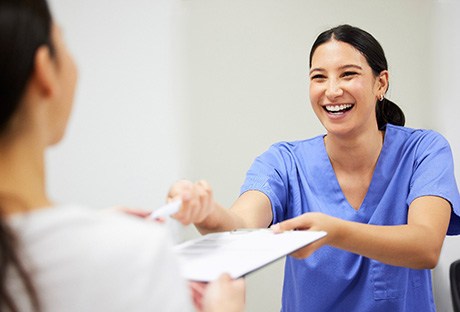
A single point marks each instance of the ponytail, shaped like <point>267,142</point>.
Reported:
<point>388,112</point>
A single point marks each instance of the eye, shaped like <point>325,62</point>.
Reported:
<point>349,74</point>
<point>318,77</point>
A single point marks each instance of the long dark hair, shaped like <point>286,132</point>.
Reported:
<point>25,25</point>
<point>386,111</point>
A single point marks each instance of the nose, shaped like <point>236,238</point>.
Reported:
<point>333,90</point>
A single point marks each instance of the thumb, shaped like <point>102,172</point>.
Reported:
<point>297,223</point>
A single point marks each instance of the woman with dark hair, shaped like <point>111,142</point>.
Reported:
<point>56,257</point>
<point>385,194</point>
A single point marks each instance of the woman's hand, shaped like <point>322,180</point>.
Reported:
<point>197,201</point>
<point>223,295</point>
<point>315,221</point>
<point>136,212</point>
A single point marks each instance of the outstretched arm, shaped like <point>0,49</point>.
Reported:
<point>251,210</point>
<point>416,244</point>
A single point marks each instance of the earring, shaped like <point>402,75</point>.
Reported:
<point>381,97</point>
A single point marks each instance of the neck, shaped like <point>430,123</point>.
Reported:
<point>357,153</point>
<point>22,171</point>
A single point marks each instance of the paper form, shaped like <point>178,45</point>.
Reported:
<point>238,252</point>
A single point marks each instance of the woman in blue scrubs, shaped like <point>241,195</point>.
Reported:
<point>385,194</point>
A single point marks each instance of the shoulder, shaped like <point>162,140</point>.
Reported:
<point>73,221</point>
<point>298,147</point>
<point>74,232</point>
<point>414,134</point>
<point>290,153</point>
<point>73,247</point>
<point>411,137</point>
<point>314,141</point>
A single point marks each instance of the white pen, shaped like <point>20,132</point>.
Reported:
<point>166,210</point>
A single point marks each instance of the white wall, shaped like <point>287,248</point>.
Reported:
<point>124,141</point>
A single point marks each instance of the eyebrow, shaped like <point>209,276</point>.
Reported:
<point>340,68</point>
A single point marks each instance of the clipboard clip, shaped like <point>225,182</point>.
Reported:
<point>247,230</point>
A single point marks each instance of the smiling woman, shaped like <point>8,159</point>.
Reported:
<point>385,194</point>
<point>374,59</point>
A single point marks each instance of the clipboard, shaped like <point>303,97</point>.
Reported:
<point>238,252</point>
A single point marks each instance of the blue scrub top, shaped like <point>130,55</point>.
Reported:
<point>298,177</point>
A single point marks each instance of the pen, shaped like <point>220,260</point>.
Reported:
<point>166,210</point>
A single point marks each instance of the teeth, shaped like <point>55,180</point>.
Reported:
<point>337,108</point>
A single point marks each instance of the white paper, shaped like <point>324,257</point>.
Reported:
<point>238,252</point>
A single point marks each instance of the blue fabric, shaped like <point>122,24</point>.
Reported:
<point>298,177</point>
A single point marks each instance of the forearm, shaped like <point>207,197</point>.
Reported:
<point>251,210</point>
<point>411,246</point>
<point>416,244</point>
<point>221,219</point>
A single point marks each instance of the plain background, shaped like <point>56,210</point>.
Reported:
<point>197,89</point>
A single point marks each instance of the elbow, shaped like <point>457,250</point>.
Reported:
<point>428,260</point>
<point>432,256</point>
<point>428,250</point>
<point>431,262</point>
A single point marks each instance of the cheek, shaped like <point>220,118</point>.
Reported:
<point>314,94</point>
<point>314,103</point>
<point>361,89</point>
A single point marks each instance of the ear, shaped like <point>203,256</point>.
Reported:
<point>44,75</point>
<point>382,82</point>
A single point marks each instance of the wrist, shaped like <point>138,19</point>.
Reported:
<point>338,234</point>
<point>210,222</point>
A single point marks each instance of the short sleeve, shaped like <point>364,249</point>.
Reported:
<point>268,174</point>
<point>434,175</point>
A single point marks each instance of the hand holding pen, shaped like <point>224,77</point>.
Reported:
<point>196,198</point>
<point>166,210</point>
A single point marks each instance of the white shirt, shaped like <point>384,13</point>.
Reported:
<point>82,260</point>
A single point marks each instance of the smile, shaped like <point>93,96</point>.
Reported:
<point>338,109</point>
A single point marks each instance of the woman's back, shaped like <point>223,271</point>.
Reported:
<point>81,260</point>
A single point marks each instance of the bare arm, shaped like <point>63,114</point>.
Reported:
<point>251,210</point>
<point>416,244</point>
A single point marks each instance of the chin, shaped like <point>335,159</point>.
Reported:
<point>339,130</point>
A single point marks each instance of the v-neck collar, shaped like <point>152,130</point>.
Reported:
<point>378,182</point>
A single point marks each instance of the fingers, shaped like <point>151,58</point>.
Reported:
<point>179,190</point>
<point>198,287</point>
<point>205,196</point>
<point>182,190</point>
<point>198,290</point>
<point>225,294</point>
<point>196,200</point>
<point>224,279</point>
<point>298,223</point>
<point>239,285</point>
<point>141,213</point>
<point>307,250</point>
<point>307,221</point>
